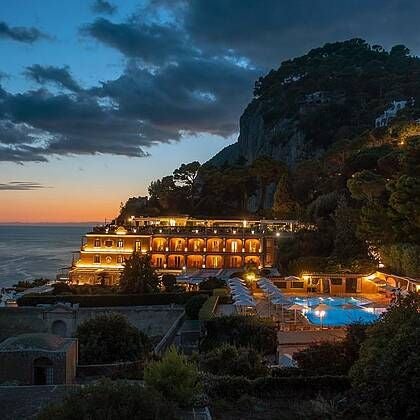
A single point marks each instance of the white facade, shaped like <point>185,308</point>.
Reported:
<point>391,112</point>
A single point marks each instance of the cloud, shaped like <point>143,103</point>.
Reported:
<point>103,6</point>
<point>21,186</point>
<point>50,74</point>
<point>21,34</point>
<point>268,33</point>
<point>189,68</point>
<point>152,43</point>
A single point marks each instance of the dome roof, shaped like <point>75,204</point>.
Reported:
<point>35,341</point>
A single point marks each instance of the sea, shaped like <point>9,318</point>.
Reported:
<point>33,251</point>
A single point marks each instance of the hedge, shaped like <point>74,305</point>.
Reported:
<point>234,387</point>
<point>207,310</point>
<point>111,300</point>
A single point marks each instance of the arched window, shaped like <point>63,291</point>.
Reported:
<point>59,327</point>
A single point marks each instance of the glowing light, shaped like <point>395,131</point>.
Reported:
<point>277,234</point>
<point>250,276</point>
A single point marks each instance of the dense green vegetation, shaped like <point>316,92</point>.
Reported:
<point>193,306</point>
<point>360,186</point>
<point>111,400</point>
<point>111,338</point>
<point>138,275</point>
<point>230,360</point>
<point>175,377</point>
<point>240,331</point>
<point>387,373</point>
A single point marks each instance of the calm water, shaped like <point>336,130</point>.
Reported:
<point>28,252</point>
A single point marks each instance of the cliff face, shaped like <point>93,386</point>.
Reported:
<point>283,140</point>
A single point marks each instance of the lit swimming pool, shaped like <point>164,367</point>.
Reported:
<point>334,314</point>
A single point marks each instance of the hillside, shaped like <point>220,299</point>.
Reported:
<point>332,93</point>
<point>331,138</point>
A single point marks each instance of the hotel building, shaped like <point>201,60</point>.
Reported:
<point>178,244</point>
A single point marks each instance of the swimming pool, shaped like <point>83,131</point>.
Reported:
<point>335,315</point>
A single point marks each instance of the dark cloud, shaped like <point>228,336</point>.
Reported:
<point>50,74</point>
<point>20,34</point>
<point>152,43</point>
<point>189,68</point>
<point>21,186</point>
<point>270,31</point>
<point>103,6</point>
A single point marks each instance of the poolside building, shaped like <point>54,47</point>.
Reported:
<point>178,244</point>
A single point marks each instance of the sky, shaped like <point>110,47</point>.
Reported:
<point>98,98</point>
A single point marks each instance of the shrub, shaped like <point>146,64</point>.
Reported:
<point>175,377</point>
<point>212,283</point>
<point>193,306</point>
<point>169,282</point>
<point>230,360</point>
<point>112,401</point>
<point>340,355</point>
<point>241,331</point>
<point>111,338</point>
<point>266,387</point>
<point>62,288</point>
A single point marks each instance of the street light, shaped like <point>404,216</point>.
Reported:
<point>321,315</point>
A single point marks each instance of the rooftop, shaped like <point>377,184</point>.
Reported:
<point>34,341</point>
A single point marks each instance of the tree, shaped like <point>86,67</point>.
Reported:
<point>138,275</point>
<point>346,244</point>
<point>169,282</point>
<point>111,338</point>
<point>193,306</point>
<point>405,198</point>
<point>267,171</point>
<point>386,376</point>
<point>284,206</point>
<point>333,358</point>
<point>230,360</point>
<point>111,400</point>
<point>401,258</point>
<point>212,283</point>
<point>366,185</point>
<point>174,377</point>
<point>241,331</point>
<point>186,175</point>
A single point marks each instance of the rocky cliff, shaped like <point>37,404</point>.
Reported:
<point>332,93</point>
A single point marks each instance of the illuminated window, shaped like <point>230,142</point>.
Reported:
<point>159,261</point>
<point>97,243</point>
<point>119,259</point>
<point>120,243</point>
<point>215,246</point>
<point>97,259</point>
<point>177,261</point>
<point>178,246</point>
<point>234,246</point>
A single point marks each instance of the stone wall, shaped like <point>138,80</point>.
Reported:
<point>153,320</point>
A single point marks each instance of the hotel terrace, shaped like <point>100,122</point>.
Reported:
<point>178,244</point>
